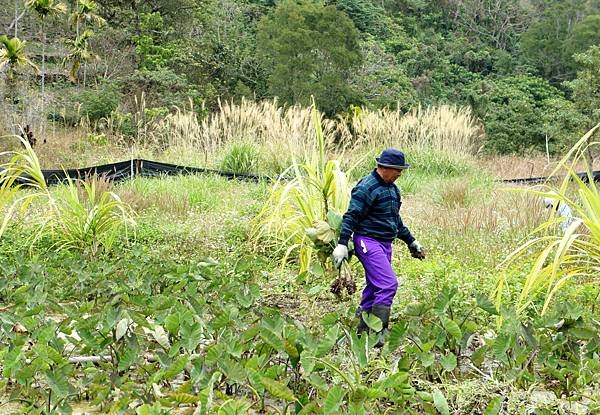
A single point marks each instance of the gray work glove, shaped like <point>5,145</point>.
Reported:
<point>339,254</point>
<point>416,250</point>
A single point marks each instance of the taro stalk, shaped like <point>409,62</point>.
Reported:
<point>315,197</point>
<point>22,170</point>
<point>556,259</point>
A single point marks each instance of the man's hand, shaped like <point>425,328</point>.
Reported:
<point>416,250</point>
<point>339,254</point>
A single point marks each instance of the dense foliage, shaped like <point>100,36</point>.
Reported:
<point>523,66</point>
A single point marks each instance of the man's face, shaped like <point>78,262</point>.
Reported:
<point>390,175</point>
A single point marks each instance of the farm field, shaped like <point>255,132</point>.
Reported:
<point>184,306</point>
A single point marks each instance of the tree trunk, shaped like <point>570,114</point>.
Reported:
<point>42,121</point>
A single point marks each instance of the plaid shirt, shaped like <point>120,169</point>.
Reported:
<point>374,211</point>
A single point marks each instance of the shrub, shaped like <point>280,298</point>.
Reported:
<point>241,158</point>
<point>97,104</point>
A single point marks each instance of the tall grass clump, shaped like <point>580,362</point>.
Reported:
<point>318,191</point>
<point>22,170</point>
<point>552,259</point>
<point>242,157</point>
<point>85,217</point>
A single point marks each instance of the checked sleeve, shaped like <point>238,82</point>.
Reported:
<point>360,202</point>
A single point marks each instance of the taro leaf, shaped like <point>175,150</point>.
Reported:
<point>122,327</point>
<point>500,347</point>
<point>494,407</point>
<point>308,364</point>
<point>176,367</point>
<point>161,336</point>
<point>191,334</point>
<point>427,358</point>
<point>375,393</point>
<point>255,379</point>
<point>440,402</point>
<point>278,389</point>
<point>206,394</point>
<point>356,408</point>
<point>234,407</point>
<point>448,362</point>
<point>12,362</point>
<point>127,359</point>
<point>443,300</point>
<point>334,220</point>
<point>183,398</point>
<point>485,304</point>
<point>334,400</point>
<point>396,335</point>
<point>527,331</point>
<point>360,349</point>
<point>330,319</point>
<point>271,339</point>
<point>396,380</point>
<point>233,370</point>
<point>172,323</point>
<point>59,384</point>
<point>292,352</point>
<point>319,383</point>
<point>328,342</point>
<point>146,409</point>
<point>372,321</point>
<point>452,328</point>
<point>309,408</point>
<point>478,356</point>
<point>416,309</point>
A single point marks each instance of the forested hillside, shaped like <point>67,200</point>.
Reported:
<point>529,69</point>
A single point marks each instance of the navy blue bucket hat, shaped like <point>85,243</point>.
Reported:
<point>392,158</point>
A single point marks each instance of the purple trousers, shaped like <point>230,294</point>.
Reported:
<point>376,258</point>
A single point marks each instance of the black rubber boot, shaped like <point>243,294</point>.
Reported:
<point>383,312</point>
<point>362,326</point>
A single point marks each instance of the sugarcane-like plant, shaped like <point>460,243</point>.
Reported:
<point>22,170</point>
<point>556,258</point>
<point>302,215</point>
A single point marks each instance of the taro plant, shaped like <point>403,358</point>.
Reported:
<point>316,196</point>
<point>556,259</point>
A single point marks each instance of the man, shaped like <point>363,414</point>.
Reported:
<point>560,209</point>
<point>374,218</point>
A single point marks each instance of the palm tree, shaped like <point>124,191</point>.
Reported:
<point>12,56</point>
<point>78,53</point>
<point>45,9</point>
<point>86,12</point>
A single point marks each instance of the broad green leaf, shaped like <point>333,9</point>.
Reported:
<point>127,358</point>
<point>183,398</point>
<point>500,347</point>
<point>309,408</point>
<point>233,370</point>
<point>334,400</point>
<point>372,321</point>
<point>176,367</point>
<point>328,342</point>
<point>452,328</point>
<point>486,304</point>
<point>494,407</point>
<point>448,362</point>
<point>122,327</point>
<point>440,402</point>
<point>396,335</point>
<point>255,379</point>
<point>278,389</point>
<point>427,358</point>
<point>171,323</point>
<point>272,339</point>
<point>59,384</point>
<point>360,349</point>
<point>161,336</point>
<point>234,407</point>
<point>308,364</point>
